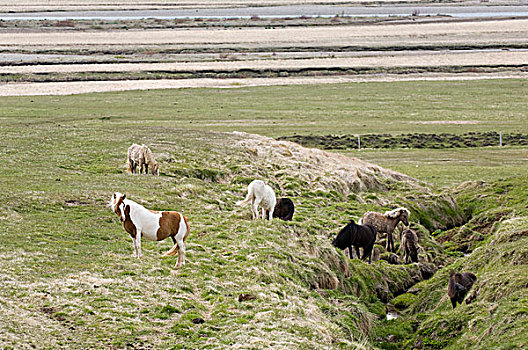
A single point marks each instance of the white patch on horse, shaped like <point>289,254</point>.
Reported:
<point>146,222</point>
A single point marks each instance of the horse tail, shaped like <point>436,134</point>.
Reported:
<point>173,250</point>
<point>248,198</point>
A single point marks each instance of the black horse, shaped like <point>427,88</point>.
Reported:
<point>359,236</point>
<point>284,209</point>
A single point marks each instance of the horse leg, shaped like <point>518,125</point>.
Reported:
<point>357,252</point>
<point>181,251</point>
<point>138,244</point>
<point>389,240</point>
<point>350,252</point>
<point>367,252</point>
<point>134,246</point>
<point>254,207</point>
<point>146,169</point>
<point>173,239</point>
<point>270,213</point>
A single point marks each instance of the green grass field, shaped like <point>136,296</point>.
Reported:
<point>69,279</point>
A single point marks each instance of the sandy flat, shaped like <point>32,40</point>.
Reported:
<point>507,31</point>
<point>396,60</point>
<point>69,88</point>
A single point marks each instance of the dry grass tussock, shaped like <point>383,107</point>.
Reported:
<point>320,169</point>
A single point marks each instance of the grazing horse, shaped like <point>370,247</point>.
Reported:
<point>141,156</point>
<point>409,245</point>
<point>152,225</point>
<point>284,209</point>
<point>260,194</point>
<point>387,222</point>
<point>458,286</point>
<point>358,236</point>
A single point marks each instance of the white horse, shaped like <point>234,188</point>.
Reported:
<point>142,157</point>
<point>260,194</point>
<point>152,225</point>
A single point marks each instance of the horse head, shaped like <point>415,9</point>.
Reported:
<point>404,216</point>
<point>155,169</point>
<point>115,202</point>
<point>344,238</point>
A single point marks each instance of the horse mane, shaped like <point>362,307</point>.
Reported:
<point>393,214</point>
<point>149,157</point>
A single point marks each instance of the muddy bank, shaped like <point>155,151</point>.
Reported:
<point>443,140</point>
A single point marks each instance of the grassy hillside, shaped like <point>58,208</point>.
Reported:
<point>69,279</point>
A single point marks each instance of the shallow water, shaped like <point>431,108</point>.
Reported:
<point>294,11</point>
<point>392,315</point>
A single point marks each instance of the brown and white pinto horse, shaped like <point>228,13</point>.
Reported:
<point>152,225</point>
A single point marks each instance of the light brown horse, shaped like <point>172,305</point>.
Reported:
<point>142,157</point>
<point>386,223</point>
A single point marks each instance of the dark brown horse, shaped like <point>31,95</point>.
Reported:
<point>359,236</point>
<point>284,209</point>
<point>409,245</point>
<point>458,286</point>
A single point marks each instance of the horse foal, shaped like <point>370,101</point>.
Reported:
<point>284,209</point>
<point>458,286</point>
<point>409,245</point>
<point>152,225</point>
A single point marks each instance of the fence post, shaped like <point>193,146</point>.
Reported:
<point>500,138</point>
<point>359,142</point>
